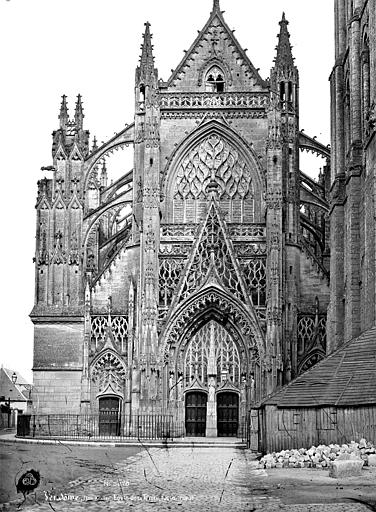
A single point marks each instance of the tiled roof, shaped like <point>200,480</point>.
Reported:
<point>17,391</point>
<point>347,377</point>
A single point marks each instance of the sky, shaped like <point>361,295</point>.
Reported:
<point>91,47</point>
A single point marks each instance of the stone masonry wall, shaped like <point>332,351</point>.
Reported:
<point>56,392</point>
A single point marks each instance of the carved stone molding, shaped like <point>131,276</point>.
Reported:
<point>229,311</point>
<point>171,101</point>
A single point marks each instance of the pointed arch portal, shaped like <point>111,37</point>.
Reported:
<point>212,382</point>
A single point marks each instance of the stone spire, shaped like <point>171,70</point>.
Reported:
<point>284,54</point>
<point>63,116</point>
<point>146,59</point>
<point>79,113</point>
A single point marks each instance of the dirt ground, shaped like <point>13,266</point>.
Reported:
<point>57,464</point>
<point>305,485</point>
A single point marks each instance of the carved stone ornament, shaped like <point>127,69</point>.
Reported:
<point>74,258</point>
<point>226,308</point>
<point>226,359</point>
<point>58,255</point>
<point>42,258</point>
<point>213,160</point>
<point>110,373</point>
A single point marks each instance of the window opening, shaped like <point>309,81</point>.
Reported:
<point>215,80</point>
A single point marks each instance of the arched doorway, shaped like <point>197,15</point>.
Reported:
<point>211,362</point>
<point>227,414</point>
<point>109,416</point>
<point>195,413</point>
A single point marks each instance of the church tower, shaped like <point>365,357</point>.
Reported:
<point>59,272</point>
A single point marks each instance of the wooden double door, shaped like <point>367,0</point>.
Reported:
<point>227,414</point>
<point>109,416</point>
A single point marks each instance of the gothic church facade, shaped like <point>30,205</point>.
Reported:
<point>197,283</point>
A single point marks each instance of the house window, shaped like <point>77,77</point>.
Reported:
<point>215,81</point>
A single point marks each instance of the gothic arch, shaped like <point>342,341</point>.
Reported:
<point>314,357</point>
<point>231,139</point>
<point>211,303</point>
<point>213,341</point>
<point>208,64</point>
<point>109,372</point>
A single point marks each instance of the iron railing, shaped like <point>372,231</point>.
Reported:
<point>95,426</point>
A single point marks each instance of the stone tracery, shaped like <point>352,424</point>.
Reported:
<point>109,372</point>
<point>213,159</point>
<point>226,355</point>
<point>212,249</point>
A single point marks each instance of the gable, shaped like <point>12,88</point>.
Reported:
<point>212,260</point>
<point>215,48</point>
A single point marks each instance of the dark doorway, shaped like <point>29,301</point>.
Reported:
<point>195,413</point>
<point>109,416</point>
<point>227,414</point>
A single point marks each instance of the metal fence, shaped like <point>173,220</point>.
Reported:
<point>93,427</point>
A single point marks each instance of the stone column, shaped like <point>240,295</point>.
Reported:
<point>211,407</point>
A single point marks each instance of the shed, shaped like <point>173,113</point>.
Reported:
<point>333,402</point>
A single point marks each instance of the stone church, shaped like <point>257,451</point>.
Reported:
<point>198,282</point>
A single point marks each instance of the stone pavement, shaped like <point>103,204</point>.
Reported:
<point>200,479</point>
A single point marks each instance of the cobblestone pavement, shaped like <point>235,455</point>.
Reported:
<point>176,479</point>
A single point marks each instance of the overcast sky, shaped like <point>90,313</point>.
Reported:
<point>55,47</point>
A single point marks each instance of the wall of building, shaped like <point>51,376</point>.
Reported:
<point>56,392</point>
<point>353,87</point>
<point>285,429</point>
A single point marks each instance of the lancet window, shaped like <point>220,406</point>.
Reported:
<point>365,78</point>
<point>169,275</point>
<point>311,331</point>
<point>254,272</point>
<point>212,346</point>
<point>99,329</point>
<point>215,81</point>
<point>213,159</point>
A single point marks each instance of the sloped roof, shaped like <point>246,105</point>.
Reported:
<point>347,377</point>
<point>20,380</point>
<point>216,13</point>
<point>17,391</point>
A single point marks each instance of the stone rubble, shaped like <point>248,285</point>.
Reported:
<point>321,456</point>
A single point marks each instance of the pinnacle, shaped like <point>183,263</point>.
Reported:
<point>63,115</point>
<point>79,102</point>
<point>79,115</point>
<point>147,59</point>
<point>284,54</point>
<point>216,6</point>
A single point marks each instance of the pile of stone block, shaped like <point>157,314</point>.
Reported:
<point>321,456</point>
